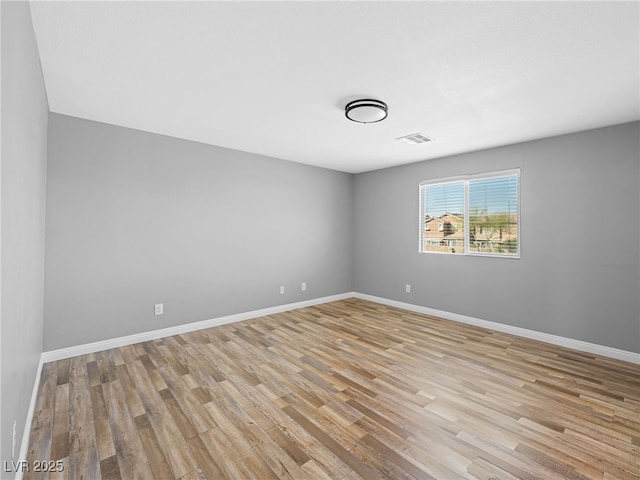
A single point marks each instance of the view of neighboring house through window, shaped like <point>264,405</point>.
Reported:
<point>474,215</point>
<point>443,217</point>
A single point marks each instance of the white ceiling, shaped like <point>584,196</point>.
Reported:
<point>273,77</point>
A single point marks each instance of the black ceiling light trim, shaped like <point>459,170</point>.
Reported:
<point>366,110</point>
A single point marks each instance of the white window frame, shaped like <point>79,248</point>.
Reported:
<point>466,179</point>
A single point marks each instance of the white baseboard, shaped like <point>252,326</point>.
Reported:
<point>69,352</point>
<point>605,351</point>
<point>24,445</point>
<point>610,352</point>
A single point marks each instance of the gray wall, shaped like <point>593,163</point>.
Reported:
<point>135,219</point>
<point>579,267</point>
<point>24,143</point>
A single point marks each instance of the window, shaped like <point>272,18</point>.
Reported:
<point>477,214</point>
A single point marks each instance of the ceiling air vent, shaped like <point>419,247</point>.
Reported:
<point>415,139</point>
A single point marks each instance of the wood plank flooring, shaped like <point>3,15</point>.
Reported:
<point>344,390</point>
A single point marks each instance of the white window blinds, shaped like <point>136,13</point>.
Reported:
<point>473,215</point>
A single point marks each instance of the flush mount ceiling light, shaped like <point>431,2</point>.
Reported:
<point>366,110</point>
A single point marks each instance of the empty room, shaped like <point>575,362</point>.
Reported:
<point>320,240</point>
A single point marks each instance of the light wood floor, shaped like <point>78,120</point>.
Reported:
<point>344,390</point>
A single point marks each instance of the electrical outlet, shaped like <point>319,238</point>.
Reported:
<point>407,288</point>
<point>13,440</point>
<point>282,290</point>
<point>303,287</point>
<point>159,308</point>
